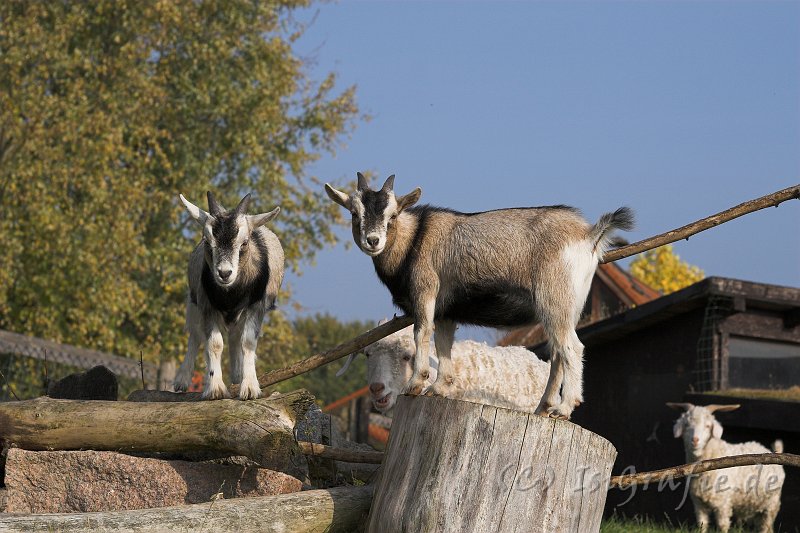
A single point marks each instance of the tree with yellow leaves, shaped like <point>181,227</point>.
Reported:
<point>663,270</point>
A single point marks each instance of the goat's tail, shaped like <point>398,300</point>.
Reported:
<point>777,446</point>
<point>601,233</point>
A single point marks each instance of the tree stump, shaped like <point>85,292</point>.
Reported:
<point>454,466</point>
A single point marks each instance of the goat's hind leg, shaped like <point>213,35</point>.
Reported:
<point>551,391</point>
<point>446,380</point>
<point>570,361</point>
<point>250,388</point>
<point>183,379</point>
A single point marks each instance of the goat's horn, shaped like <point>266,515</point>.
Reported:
<point>213,206</point>
<point>680,406</point>
<point>721,408</point>
<point>242,207</point>
<point>389,185</point>
<point>362,182</point>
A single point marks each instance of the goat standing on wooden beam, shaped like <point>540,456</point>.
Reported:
<point>234,277</point>
<point>503,268</point>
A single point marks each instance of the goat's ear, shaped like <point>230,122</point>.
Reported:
<point>406,201</point>
<point>338,196</point>
<point>679,406</point>
<point>198,214</point>
<point>259,220</point>
<point>722,408</point>
<point>677,429</point>
<point>716,430</point>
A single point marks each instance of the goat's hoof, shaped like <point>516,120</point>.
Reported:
<point>559,412</point>
<point>445,389</point>
<point>216,393</point>
<point>249,391</point>
<point>413,389</point>
<point>180,387</point>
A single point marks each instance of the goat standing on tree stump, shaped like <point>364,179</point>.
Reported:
<point>234,277</point>
<point>502,268</point>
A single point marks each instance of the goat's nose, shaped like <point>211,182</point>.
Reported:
<point>372,240</point>
<point>224,274</point>
<point>376,388</point>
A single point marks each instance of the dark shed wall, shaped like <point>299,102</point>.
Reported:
<point>626,384</point>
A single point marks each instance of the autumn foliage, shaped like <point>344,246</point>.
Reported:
<point>663,270</point>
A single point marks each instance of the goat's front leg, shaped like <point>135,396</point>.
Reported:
<point>250,389</point>
<point>446,380</point>
<point>423,328</point>
<point>215,388</point>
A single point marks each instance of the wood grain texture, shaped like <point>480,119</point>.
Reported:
<point>259,429</point>
<point>454,466</point>
<point>339,509</point>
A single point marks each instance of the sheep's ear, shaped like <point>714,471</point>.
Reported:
<point>679,406</point>
<point>214,207</point>
<point>198,214</point>
<point>722,408</point>
<point>716,430</point>
<point>363,184</point>
<point>344,368</point>
<point>677,429</point>
<point>406,201</point>
<point>338,196</point>
<point>259,220</point>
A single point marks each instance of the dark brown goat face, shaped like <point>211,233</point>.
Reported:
<point>227,234</point>
<point>374,212</point>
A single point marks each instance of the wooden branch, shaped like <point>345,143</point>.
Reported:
<point>340,454</point>
<point>622,482</point>
<point>262,429</point>
<point>346,348</point>
<point>688,230</point>
<point>339,509</point>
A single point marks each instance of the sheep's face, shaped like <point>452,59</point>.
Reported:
<point>227,235</point>
<point>390,363</point>
<point>697,425</point>
<point>374,213</point>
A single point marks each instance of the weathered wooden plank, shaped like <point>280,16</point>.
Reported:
<point>339,509</point>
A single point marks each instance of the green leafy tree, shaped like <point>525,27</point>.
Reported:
<point>663,269</point>
<point>108,109</point>
<point>316,334</point>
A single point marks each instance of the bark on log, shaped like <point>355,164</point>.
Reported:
<point>338,509</point>
<point>454,466</point>
<point>262,430</point>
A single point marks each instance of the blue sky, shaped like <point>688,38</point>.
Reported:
<point>677,109</point>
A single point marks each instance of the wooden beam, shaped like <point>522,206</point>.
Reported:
<point>788,459</point>
<point>340,509</point>
<point>684,232</point>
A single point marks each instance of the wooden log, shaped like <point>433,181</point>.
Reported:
<point>259,429</point>
<point>454,466</point>
<point>338,509</point>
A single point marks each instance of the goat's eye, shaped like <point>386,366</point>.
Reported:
<point>406,358</point>
<point>394,216</point>
<point>244,244</point>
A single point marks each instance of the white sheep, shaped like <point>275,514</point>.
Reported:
<point>748,493</point>
<point>510,377</point>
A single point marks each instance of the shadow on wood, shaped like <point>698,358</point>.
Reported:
<point>454,466</point>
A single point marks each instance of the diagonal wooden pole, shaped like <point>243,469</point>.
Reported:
<point>770,200</point>
<point>346,348</point>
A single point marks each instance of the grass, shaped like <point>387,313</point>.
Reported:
<point>617,524</point>
<point>792,394</point>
